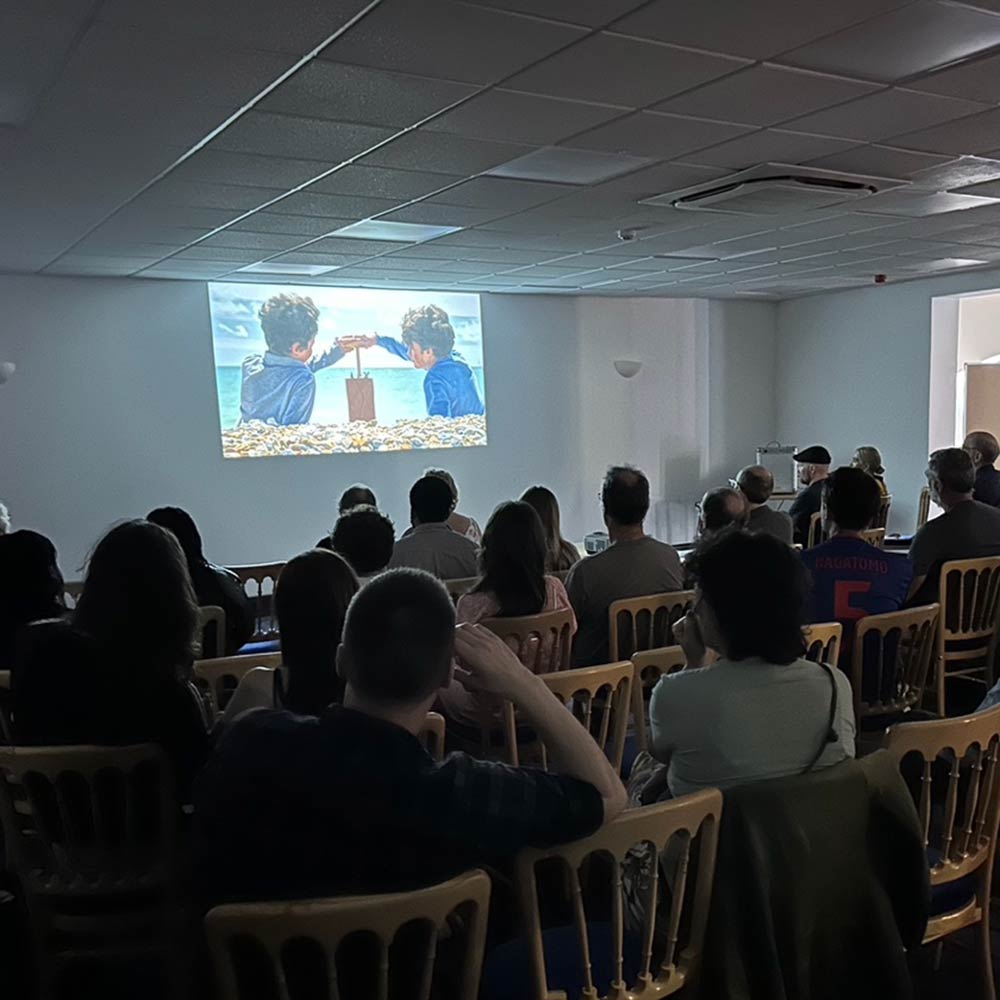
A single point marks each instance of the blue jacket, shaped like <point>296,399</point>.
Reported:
<point>449,387</point>
<point>281,390</point>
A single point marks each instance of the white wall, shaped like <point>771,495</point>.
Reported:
<point>113,411</point>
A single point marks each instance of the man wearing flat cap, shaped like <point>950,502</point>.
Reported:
<point>814,466</point>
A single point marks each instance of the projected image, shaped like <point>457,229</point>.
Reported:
<point>305,370</point>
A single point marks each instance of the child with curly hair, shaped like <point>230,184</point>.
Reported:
<point>279,386</point>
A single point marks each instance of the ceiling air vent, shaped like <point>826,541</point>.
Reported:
<point>774,189</point>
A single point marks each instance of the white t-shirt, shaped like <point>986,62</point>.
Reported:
<point>746,720</point>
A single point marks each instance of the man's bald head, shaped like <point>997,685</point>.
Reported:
<point>756,483</point>
<point>983,447</point>
<point>723,508</point>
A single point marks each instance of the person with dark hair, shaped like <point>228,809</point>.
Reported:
<point>560,555</point>
<point>120,671</point>
<point>756,483</point>
<point>213,585</point>
<point>365,537</point>
<point>311,598</point>
<point>31,587</point>
<point>352,802</point>
<point>633,565</point>
<point>279,386</point>
<point>721,508</point>
<point>461,523</point>
<point>430,544</point>
<point>760,710</point>
<point>450,388</point>
<point>814,466</point>
<point>967,529</point>
<point>852,579</point>
<point>983,448</point>
<point>357,495</point>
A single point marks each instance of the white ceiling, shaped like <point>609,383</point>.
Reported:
<point>193,138</point>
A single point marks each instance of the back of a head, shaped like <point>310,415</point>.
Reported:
<point>852,498</point>
<point>399,638</point>
<point>356,496</point>
<point>985,443</point>
<point>181,525</point>
<point>448,478</point>
<point>758,589</point>
<point>364,536</point>
<point>954,470</point>
<point>625,495</point>
<point>756,482</point>
<point>311,599</point>
<point>513,560</point>
<point>723,507</point>
<point>869,458</point>
<point>31,586</point>
<point>431,500</point>
<point>137,600</point>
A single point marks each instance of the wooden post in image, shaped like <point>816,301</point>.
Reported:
<point>360,394</point>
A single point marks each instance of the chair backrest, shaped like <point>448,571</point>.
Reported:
<point>460,587</point>
<point>258,584</point>
<point>891,660</point>
<point>211,635</point>
<point>882,518</point>
<point>72,589</point>
<point>650,665</point>
<point>636,624</point>
<point>923,507</point>
<point>874,536</point>
<point>641,839</point>
<point>541,642</point>
<point>217,678</point>
<point>815,533</point>
<point>823,642</point>
<point>969,594</point>
<point>960,825</point>
<point>432,735</point>
<point>258,948</point>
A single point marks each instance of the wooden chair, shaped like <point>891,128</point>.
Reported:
<point>460,587</point>
<point>969,594</point>
<point>636,624</point>
<point>211,636</point>
<point>874,536</point>
<point>882,518</point>
<point>891,660</point>
<point>823,642</point>
<point>72,589</point>
<point>391,938</point>
<point>814,536</point>
<point>682,837</point>
<point>650,666</point>
<point>217,678</point>
<point>258,584</point>
<point>541,642</point>
<point>923,507</point>
<point>960,825</point>
<point>432,735</point>
<point>90,835</point>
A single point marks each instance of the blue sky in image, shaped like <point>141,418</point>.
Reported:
<point>343,312</point>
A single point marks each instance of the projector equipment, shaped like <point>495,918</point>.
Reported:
<point>7,369</point>
<point>596,541</point>
<point>777,459</point>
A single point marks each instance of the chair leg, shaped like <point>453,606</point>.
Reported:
<point>940,690</point>
<point>986,955</point>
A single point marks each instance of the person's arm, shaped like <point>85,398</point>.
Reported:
<point>329,357</point>
<point>392,345</point>
<point>561,600</point>
<point>487,664</point>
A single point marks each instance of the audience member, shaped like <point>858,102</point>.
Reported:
<point>213,585</point>
<point>351,801</point>
<point>633,565</point>
<point>4,520</point>
<point>851,578</point>
<point>757,484</point>
<point>560,555</point>
<point>869,459</point>
<point>357,495</point>
<point>513,584</point>
<point>967,529</point>
<point>310,601</point>
<point>31,587</point>
<point>759,687</point>
<point>721,508</point>
<point>119,672</point>
<point>365,537</point>
<point>814,467</point>
<point>983,448</point>
<point>457,522</point>
<point>430,544</point>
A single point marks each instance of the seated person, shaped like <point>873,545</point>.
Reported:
<point>715,726</point>
<point>756,483</point>
<point>352,802</point>
<point>632,566</point>
<point>560,555</point>
<point>513,584</point>
<point>357,495</point>
<point>213,585</point>
<point>967,529</point>
<point>31,587</point>
<point>851,578</point>
<point>814,467</point>
<point>869,459</point>
<point>721,508</point>
<point>430,544</point>
<point>311,599</point>
<point>365,537</point>
<point>458,522</point>
<point>983,448</point>
<point>279,386</point>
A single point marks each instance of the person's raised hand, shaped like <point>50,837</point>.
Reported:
<point>486,663</point>
<point>687,632</point>
<point>366,340</point>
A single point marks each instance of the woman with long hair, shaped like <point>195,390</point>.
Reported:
<point>869,458</point>
<point>560,555</point>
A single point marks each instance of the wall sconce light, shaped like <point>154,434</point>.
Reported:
<point>626,368</point>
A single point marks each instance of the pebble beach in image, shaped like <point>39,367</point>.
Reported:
<point>256,439</point>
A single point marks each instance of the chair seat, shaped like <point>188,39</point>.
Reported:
<point>507,972</point>
<point>948,896</point>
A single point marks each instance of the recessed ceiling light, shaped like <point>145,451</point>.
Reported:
<point>276,267</point>
<point>569,166</point>
<point>397,232</point>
